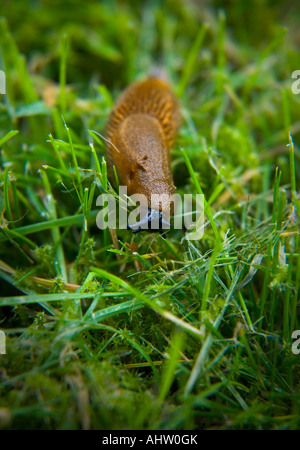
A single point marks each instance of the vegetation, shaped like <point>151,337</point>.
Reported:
<point>112,330</point>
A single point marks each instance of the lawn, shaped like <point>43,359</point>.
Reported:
<point>109,330</point>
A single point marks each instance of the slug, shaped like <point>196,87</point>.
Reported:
<point>140,133</point>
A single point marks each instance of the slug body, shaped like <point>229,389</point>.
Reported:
<point>140,131</point>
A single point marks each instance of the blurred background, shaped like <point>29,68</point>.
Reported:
<point>97,48</point>
<point>115,41</point>
<point>230,64</point>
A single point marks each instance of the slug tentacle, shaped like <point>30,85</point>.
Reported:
<point>143,126</point>
<point>154,222</point>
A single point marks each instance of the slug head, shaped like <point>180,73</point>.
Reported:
<point>153,220</point>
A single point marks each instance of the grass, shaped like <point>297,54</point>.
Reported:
<point>112,330</point>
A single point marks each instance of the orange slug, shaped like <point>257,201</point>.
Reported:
<point>140,132</point>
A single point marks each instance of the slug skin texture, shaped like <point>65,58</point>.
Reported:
<point>141,131</point>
